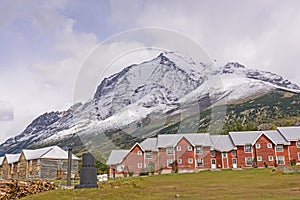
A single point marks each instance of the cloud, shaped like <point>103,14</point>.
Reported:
<point>259,34</point>
<point>48,59</point>
<point>6,111</point>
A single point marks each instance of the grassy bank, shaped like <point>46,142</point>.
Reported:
<point>227,184</point>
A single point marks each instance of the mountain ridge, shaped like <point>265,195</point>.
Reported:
<point>144,92</point>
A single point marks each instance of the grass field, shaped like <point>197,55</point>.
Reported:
<point>227,184</point>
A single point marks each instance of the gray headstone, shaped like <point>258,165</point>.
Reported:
<point>88,172</point>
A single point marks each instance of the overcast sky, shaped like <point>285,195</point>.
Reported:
<point>44,43</point>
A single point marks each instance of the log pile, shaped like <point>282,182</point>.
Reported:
<point>13,189</point>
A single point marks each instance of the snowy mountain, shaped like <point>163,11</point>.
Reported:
<point>140,96</point>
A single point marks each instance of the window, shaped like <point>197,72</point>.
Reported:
<point>199,162</point>
<point>257,146</point>
<point>279,147</point>
<point>169,163</point>
<point>60,164</point>
<point>270,158</point>
<point>178,148</point>
<point>19,164</point>
<point>120,168</point>
<point>259,158</point>
<point>298,143</point>
<point>30,163</point>
<point>233,153</point>
<point>37,173</point>
<point>298,155</point>
<point>149,154</point>
<point>280,160</point>
<point>248,148</point>
<point>199,150</point>
<point>269,145</point>
<point>170,150</point>
<point>190,148</point>
<point>38,162</point>
<point>212,153</point>
<point>248,161</point>
<point>140,165</point>
<point>179,161</point>
<point>224,155</point>
<point>190,160</point>
<point>139,153</point>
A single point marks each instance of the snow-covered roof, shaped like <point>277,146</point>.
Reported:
<point>276,137</point>
<point>12,158</point>
<point>116,157</point>
<point>1,160</point>
<point>222,143</point>
<point>52,152</point>
<point>149,144</point>
<point>291,133</point>
<point>170,140</point>
<point>244,137</point>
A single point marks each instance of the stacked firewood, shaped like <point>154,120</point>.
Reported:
<point>13,189</point>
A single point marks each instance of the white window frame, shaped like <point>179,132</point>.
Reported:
<point>139,153</point>
<point>199,159</point>
<point>169,163</point>
<point>271,158</point>
<point>224,155</point>
<point>179,161</point>
<point>178,148</point>
<point>246,159</point>
<point>257,146</point>
<point>246,149</point>
<point>269,145</point>
<point>120,168</point>
<point>259,158</point>
<point>30,163</point>
<point>298,153</point>
<point>39,162</point>
<point>199,148</point>
<point>213,153</point>
<point>140,165</point>
<point>280,150</point>
<point>298,144</point>
<point>170,150</point>
<point>277,160</point>
<point>233,154</point>
<point>19,164</point>
<point>190,160</point>
<point>190,148</point>
<point>148,154</point>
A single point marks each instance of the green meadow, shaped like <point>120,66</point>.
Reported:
<point>225,184</point>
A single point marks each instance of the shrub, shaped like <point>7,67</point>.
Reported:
<point>293,162</point>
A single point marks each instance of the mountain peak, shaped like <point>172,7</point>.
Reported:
<point>234,65</point>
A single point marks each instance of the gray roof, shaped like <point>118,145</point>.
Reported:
<point>222,143</point>
<point>170,140</point>
<point>291,133</point>
<point>276,137</point>
<point>52,152</point>
<point>1,160</point>
<point>116,157</point>
<point>244,137</point>
<point>149,144</point>
<point>12,158</point>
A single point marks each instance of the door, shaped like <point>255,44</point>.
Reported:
<point>234,163</point>
<point>213,163</point>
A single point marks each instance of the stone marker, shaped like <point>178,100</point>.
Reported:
<point>88,172</point>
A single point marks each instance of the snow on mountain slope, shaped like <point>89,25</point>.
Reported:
<point>164,84</point>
